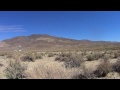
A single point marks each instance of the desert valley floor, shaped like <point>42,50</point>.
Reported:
<point>60,65</point>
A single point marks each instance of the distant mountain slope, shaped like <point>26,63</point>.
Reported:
<point>43,41</point>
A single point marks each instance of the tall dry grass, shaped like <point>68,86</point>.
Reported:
<point>51,70</point>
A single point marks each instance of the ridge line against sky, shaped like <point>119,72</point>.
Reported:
<point>90,25</point>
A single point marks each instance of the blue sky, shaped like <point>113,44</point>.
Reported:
<point>92,25</point>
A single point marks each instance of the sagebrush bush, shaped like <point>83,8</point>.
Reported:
<point>50,54</point>
<point>94,56</point>
<point>65,54</point>
<point>116,54</point>
<point>2,54</point>
<point>70,60</point>
<point>47,71</point>
<point>37,56</point>
<point>9,55</point>
<point>73,61</point>
<point>27,58</point>
<point>103,69</point>
<point>116,67</point>
<point>87,74</point>
<point>1,65</point>
<point>31,57</point>
<point>61,59</point>
<point>80,76</point>
<point>15,70</point>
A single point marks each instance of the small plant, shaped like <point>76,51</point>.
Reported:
<point>15,70</point>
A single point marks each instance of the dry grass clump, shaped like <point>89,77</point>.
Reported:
<point>45,70</point>
<point>15,70</point>
<point>70,60</point>
<point>103,69</point>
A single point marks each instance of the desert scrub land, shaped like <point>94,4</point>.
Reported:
<point>94,64</point>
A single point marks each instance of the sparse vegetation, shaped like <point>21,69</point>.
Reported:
<point>64,60</point>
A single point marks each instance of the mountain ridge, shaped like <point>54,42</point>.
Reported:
<point>45,41</point>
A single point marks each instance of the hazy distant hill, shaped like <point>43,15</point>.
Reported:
<point>47,42</point>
